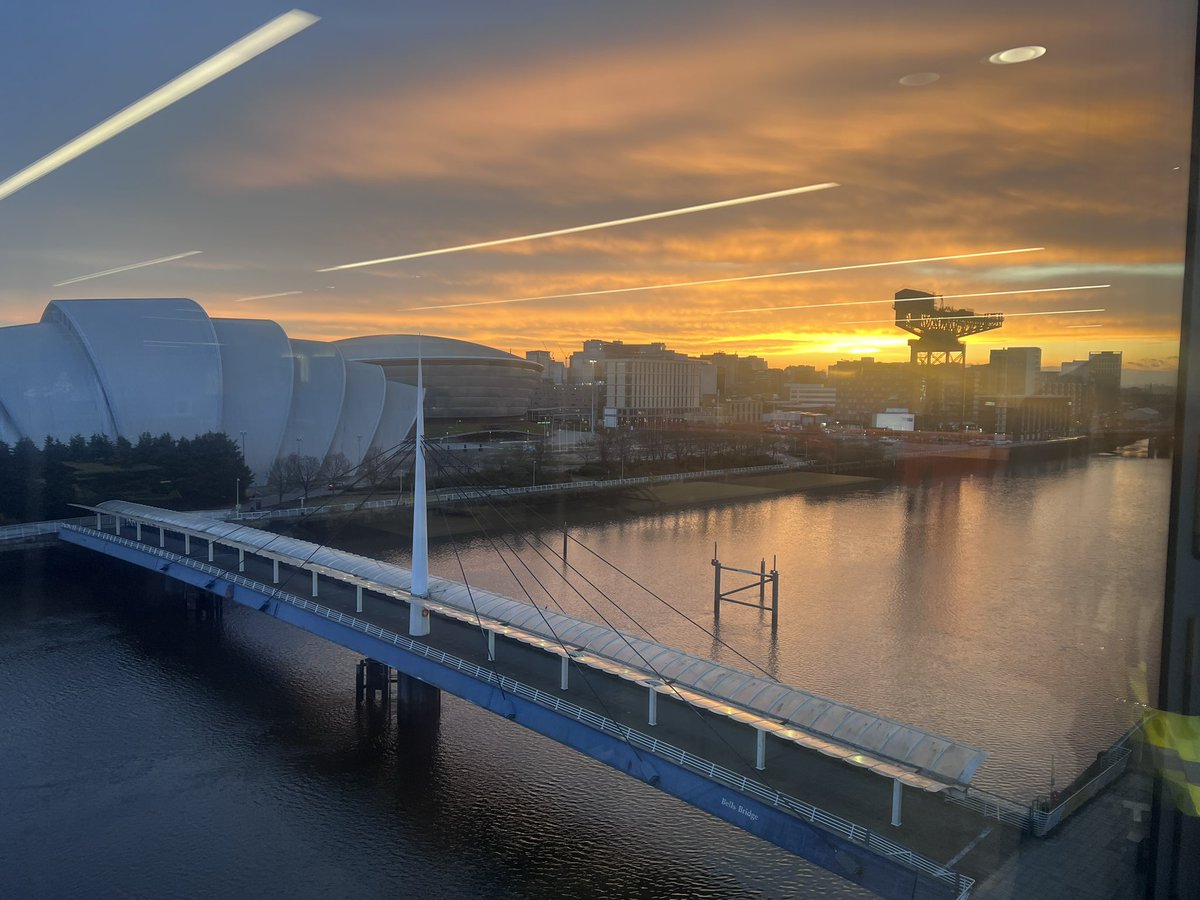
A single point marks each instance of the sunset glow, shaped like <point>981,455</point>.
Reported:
<point>446,174</point>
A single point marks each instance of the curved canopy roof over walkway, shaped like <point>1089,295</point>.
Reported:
<point>917,757</point>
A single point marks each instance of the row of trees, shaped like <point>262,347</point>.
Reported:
<point>652,452</point>
<point>181,473</point>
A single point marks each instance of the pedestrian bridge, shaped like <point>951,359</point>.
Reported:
<point>861,795</point>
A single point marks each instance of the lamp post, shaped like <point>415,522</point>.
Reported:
<point>237,494</point>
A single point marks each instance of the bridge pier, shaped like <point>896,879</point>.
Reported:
<point>416,699</point>
<point>373,677</point>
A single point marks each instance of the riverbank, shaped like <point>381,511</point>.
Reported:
<point>518,510</point>
<point>677,493</point>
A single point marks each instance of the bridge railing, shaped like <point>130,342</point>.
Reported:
<point>708,769</point>
<point>28,530</point>
<point>1040,822</point>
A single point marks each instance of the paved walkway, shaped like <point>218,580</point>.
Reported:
<point>1091,855</point>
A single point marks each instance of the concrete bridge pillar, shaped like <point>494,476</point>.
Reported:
<point>162,537</point>
<point>416,700</point>
<point>373,678</point>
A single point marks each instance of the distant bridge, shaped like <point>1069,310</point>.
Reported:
<point>860,795</point>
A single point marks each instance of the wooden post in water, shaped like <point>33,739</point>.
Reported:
<point>716,563</point>
<point>774,595</point>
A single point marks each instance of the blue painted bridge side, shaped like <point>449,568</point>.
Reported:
<point>862,858</point>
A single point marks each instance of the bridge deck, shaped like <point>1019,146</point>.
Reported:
<point>931,826</point>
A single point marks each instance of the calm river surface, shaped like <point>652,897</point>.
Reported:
<point>141,756</point>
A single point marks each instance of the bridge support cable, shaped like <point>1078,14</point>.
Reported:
<point>565,651</point>
<point>465,469</point>
<point>739,755</point>
<point>670,686</point>
<point>491,635</point>
<point>649,667</point>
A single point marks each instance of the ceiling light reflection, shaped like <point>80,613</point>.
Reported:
<point>267,296</point>
<point>137,265</point>
<point>1047,312</point>
<point>703,207</point>
<point>678,284</point>
<point>1050,290</point>
<point>919,79</point>
<point>221,63</point>
<point>1017,55</point>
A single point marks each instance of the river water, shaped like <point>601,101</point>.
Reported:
<point>143,756</point>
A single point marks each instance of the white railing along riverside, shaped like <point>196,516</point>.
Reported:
<point>1040,822</point>
<point>993,806</point>
<point>1045,821</point>
<point>27,530</point>
<point>828,821</point>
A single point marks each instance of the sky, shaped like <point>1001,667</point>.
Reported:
<point>387,129</point>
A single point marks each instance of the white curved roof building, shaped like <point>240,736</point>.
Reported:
<point>122,368</point>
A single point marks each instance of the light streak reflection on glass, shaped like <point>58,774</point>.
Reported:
<point>128,268</point>
<point>1050,290</point>
<point>738,278</point>
<point>612,223</point>
<point>221,63</point>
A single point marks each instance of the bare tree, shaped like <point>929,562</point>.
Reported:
<point>280,477</point>
<point>373,468</point>
<point>337,466</point>
<point>307,472</point>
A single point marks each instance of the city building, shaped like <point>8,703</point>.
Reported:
<point>894,420</point>
<point>644,388</point>
<point>553,371</point>
<point>865,387</point>
<point>1014,371</point>
<point>812,396</point>
<point>1026,418</point>
<point>1105,366</point>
